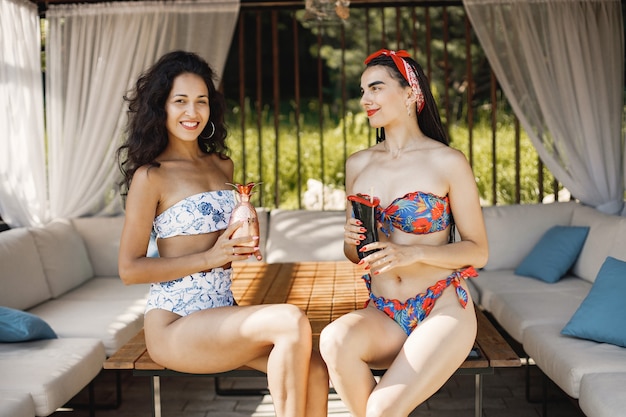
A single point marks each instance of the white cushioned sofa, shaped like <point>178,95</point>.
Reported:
<point>534,312</point>
<point>65,274</point>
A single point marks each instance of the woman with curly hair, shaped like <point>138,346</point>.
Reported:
<point>176,175</point>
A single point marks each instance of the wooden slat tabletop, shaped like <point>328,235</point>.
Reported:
<point>493,345</point>
<point>325,291</point>
<point>127,355</point>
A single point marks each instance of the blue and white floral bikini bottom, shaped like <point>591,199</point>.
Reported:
<point>192,293</point>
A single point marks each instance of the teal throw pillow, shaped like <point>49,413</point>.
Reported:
<point>20,326</point>
<point>554,254</point>
<point>600,316</point>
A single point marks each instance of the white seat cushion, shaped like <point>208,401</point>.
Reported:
<point>603,395</point>
<point>16,404</point>
<point>492,283</point>
<point>53,371</point>
<point>113,323</point>
<point>518,311</point>
<point>109,289</point>
<point>566,359</point>
<point>102,308</point>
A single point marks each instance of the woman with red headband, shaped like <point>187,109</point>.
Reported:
<point>419,322</point>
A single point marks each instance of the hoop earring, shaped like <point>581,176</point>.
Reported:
<point>212,132</point>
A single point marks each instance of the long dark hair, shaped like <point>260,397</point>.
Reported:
<point>428,119</point>
<point>146,130</point>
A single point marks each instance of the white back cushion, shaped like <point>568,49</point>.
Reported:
<point>22,280</point>
<point>601,242</point>
<point>63,255</point>
<point>303,235</point>
<point>102,240</point>
<point>513,230</point>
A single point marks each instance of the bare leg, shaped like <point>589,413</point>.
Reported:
<point>272,338</point>
<point>317,390</point>
<point>417,366</point>
<point>288,367</point>
<point>353,343</point>
<point>431,354</point>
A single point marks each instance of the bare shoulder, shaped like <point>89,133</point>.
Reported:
<point>450,154</point>
<point>451,159</point>
<point>147,176</point>
<point>360,159</point>
<point>222,160</point>
<point>223,163</point>
<point>145,190</point>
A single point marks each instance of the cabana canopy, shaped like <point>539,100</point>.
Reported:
<point>560,63</point>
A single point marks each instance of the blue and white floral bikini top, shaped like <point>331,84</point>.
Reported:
<point>197,214</point>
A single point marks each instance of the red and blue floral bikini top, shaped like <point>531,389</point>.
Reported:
<point>418,212</point>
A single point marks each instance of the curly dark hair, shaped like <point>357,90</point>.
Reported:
<point>146,131</point>
<point>428,119</point>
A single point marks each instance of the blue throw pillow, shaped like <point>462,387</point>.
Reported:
<point>20,326</point>
<point>600,316</point>
<point>554,254</point>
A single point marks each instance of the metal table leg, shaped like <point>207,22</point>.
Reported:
<point>478,399</point>
<point>156,396</point>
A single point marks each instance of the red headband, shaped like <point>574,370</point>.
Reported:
<point>405,69</point>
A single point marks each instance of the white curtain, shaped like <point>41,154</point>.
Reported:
<point>23,196</point>
<point>94,54</point>
<point>561,65</point>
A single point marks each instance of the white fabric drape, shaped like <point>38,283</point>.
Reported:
<point>94,53</point>
<point>23,198</point>
<point>561,65</point>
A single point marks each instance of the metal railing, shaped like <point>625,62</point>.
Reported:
<point>293,88</point>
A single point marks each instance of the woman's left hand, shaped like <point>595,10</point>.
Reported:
<point>388,256</point>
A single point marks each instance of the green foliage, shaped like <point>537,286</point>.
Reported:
<point>434,36</point>
<point>506,165</point>
<point>314,144</point>
<point>295,152</point>
<point>440,52</point>
<point>284,158</point>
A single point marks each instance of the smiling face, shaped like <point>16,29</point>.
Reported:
<point>383,98</point>
<point>187,107</point>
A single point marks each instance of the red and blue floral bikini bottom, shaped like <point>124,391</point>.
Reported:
<point>410,313</point>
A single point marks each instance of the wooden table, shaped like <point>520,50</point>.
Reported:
<point>325,291</point>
